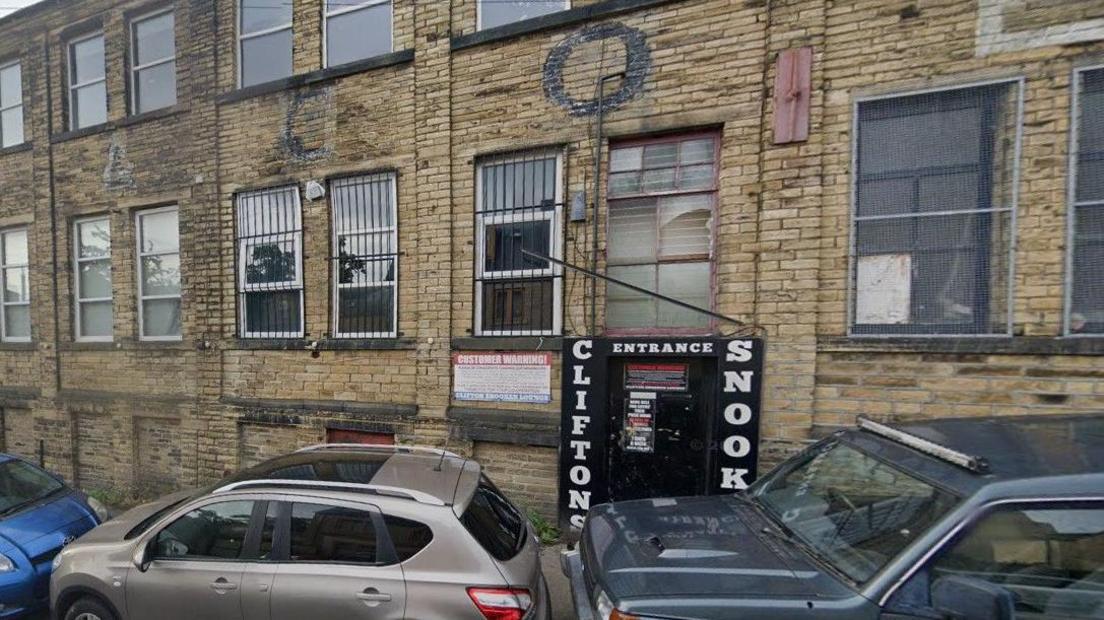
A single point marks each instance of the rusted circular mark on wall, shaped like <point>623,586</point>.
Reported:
<point>638,64</point>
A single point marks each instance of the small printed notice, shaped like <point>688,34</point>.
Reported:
<point>503,377</point>
<point>661,377</point>
<point>638,429</point>
<point>883,289</point>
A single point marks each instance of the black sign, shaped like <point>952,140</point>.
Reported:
<point>585,417</point>
<point>667,377</point>
<point>638,428</point>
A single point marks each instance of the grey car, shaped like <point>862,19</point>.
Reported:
<point>978,519</point>
<point>328,532</point>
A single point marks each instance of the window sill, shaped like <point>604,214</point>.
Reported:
<point>16,148</point>
<point>74,134</point>
<point>507,343</point>
<point>319,76</point>
<point>323,344</point>
<point>17,346</point>
<point>559,19</point>
<point>137,119</point>
<point>985,345</point>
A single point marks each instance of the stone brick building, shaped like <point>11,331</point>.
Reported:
<point>234,227</point>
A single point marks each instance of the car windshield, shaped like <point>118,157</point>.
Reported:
<point>22,484</point>
<point>855,512</point>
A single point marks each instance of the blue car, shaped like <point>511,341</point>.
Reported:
<point>39,515</point>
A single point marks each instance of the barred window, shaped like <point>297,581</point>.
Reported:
<point>11,104</point>
<point>87,82</point>
<point>519,206</point>
<point>270,263</point>
<point>366,260</point>
<point>153,56</point>
<point>264,41</point>
<point>356,29</point>
<point>494,13</point>
<point>158,274</point>
<point>661,201</point>
<point>934,198</point>
<point>15,305</point>
<point>1086,263</point>
<point>92,266</point>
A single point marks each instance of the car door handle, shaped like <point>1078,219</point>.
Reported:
<point>373,597</point>
<point>221,585</point>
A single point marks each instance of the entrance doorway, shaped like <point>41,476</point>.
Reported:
<point>659,424</point>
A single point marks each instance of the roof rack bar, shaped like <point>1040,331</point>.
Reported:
<point>975,464</point>
<point>377,448</point>
<point>418,496</point>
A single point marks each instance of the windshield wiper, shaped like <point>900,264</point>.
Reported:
<point>17,507</point>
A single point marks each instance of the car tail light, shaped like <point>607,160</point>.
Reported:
<point>501,603</point>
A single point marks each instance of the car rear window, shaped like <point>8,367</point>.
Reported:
<point>408,537</point>
<point>494,522</point>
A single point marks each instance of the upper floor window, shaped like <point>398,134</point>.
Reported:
<point>270,263</point>
<point>501,12</point>
<point>159,274</point>
<point>87,82</point>
<point>519,206</point>
<point>11,104</point>
<point>92,272</point>
<point>934,196</point>
<point>366,261</point>
<point>356,29</point>
<point>662,195</point>
<point>265,41</point>
<point>1086,262</point>
<point>15,304</point>
<point>153,56</point>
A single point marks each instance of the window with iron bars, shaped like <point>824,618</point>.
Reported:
<point>270,263</point>
<point>933,215</point>
<point>662,194</point>
<point>519,206</point>
<point>1086,261</point>
<point>366,260</point>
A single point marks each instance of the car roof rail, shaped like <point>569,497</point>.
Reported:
<point>378,448</point>
<point>975,464</point>
<point>322,485</point>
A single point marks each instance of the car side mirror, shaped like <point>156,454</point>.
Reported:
<point>967,598</point>
<point>143,555</point>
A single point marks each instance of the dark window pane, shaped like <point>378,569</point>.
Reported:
<point>504,244</point>
<point>500,12</point>
<point>155,87</point>
<point>88,61</point>
<point>408,537</point>
<point>365,258</point>
<point>161,318</point>
<point>272,312</point>
<point>1090,178</point>
<point>367,310</point>
<point>269,262</point>
<point>923,137</point>
<point>214,531</point>
<point>266,58</point>
<point>950,192</point>
<point>494,521</point>
<point>332,534</point>
<point>358,34</point>
<point>886,196</point>
<point>518,304</point>
<point>89,105</point>
<point>525,184</point>
<point>154,39</point>
<point>1087,312</point>
<point>257,15</point>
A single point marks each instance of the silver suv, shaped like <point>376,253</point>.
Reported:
<point>332,531</point>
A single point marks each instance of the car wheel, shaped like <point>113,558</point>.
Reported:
<point>89,608</point>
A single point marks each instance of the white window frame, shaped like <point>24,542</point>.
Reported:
<point>139,235</point>
<point>295,285</point>
<point>78,300</point>
<point>1019,83</point>
<point>73,86</point>
<point>394,284</point>
<point>553,271</point>
<point>479,13</point>
<point>1074,204</point>
<point>245,36</point>
<point>136,68</point>
<point>364,4</point>
<point>4,305</point>
<point>22,119</point>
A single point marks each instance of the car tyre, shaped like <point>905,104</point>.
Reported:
<point>88,608</point>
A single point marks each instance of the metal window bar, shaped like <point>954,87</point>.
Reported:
<point>137,69</point>
<point>519,206</point>
<point>75,87</point>
<point>269,241</point>
<point>365,256</point>
<point>1085,287</point>
<point>15,291</point>
<point>11,104</point>
<point>934,205</point>
<point>96,261</point>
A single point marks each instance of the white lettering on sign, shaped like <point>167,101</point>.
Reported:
<point>580,475</point>
<point>662,347</point>
<point>577,521</point>
<point>739,351</point>
<point>580,400</point>
<point>578,499</point>
<point>732,478</point>
<point>580,448</point>
<point>737,446</point>
<point>738,381</point>
<point>579,378</point>
<point>579,424</point>
<point>737,414</point>
<point>578,347</point>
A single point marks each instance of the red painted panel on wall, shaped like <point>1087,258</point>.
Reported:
<point>340,435</point>
<point>793,84</point>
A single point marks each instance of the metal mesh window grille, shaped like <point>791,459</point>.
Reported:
<point>366,260</point>
<point>92,267</point>
<point>662,196</point>
<point>1086,265</point>
<point>158,274</point>
<point>519,205</point>
<point>270,263</point>
<point>934,209</point>
<point>15,304</point>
